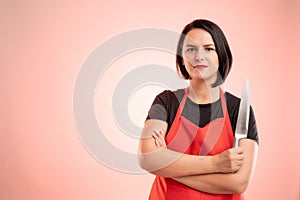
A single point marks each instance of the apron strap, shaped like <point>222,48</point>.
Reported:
<point>182,103</point>
<point>186,93</point>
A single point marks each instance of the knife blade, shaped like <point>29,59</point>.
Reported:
<point>241,129</point>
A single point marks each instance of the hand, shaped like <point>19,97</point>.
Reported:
<point>229,161</point>
<point>159,139</point>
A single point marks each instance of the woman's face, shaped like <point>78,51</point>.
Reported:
<point>199,55</point>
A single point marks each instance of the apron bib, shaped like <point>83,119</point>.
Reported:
<point>184,136</point>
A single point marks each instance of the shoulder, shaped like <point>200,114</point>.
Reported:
<point>165,105</point>
<point>233,104</point>
<point>232,98</point>
<point>232,101</point>
<point>168,96</point>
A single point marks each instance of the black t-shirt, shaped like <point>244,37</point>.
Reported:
<point>165,106</point>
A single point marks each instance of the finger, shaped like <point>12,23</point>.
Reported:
<point>239,163</point>
<point>160,135</point>
<point>154,135</point>
<point>239,157</point>
<point>238,150</point>
<point>160,139</point>
<point>157,143</point>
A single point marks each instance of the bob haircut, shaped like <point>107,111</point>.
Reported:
<point>222,49</point>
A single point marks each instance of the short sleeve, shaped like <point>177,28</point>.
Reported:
<point>252,127</point>
<point>233,104</point>
<point>159,107</point>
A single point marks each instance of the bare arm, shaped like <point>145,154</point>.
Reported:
<point>226,183</point>
<point>167,163</point>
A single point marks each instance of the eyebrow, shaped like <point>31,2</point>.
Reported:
<point>206,45</point>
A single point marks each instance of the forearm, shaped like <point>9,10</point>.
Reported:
<point>226,183</point>
<point>168,163</point>
<point>215,183</point>
<point>164,162</point>
<point>156,158</point>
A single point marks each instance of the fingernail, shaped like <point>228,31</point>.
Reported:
<point>154,135</point>
<point>157,143</point>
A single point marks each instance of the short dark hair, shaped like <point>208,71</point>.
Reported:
<point>222,49</point>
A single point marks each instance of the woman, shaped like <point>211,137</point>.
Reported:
<point>188,135</point>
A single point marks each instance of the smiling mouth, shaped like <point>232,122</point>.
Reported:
<point>200,66</point>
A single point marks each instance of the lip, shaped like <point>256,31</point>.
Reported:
<point>200,66</point>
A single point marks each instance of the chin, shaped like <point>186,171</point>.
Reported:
<point>208,79</point>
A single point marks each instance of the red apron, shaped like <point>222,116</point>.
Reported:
<point>186,137</point>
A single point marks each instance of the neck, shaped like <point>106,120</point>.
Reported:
<point>203,93</point>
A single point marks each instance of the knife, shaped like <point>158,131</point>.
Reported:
<point>241,129</point>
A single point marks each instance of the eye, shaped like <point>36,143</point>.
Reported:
<point>209,49</point>
<point>192,49</point>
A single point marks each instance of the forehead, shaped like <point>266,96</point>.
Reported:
<point>198,36</point>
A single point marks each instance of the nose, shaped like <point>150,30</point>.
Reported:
<point>200,55</point>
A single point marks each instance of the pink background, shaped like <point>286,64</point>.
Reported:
<point>42,47</point>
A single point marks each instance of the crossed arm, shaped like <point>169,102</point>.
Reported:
<point>211,174</point>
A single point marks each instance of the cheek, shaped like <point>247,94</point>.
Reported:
<point>215,60</point>
<point>186,62</point>
<point>187,58</point>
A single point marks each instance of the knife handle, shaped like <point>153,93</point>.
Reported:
<point>236,142</point>
<point>237,138</point>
